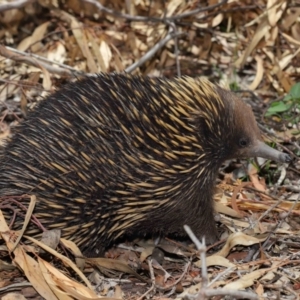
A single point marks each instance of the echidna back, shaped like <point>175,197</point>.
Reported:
<point>111,155</point>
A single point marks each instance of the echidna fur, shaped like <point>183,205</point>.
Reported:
<point>120,155</point>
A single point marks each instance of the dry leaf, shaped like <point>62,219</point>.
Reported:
<point>146,252</point>
<point>33,273</point>
<point>34,39</point>
<point>246,280</point>
<point>215,260</point>
<point>105,54</point>
<point>81,40</point>
<point>65,260</point>
<point>238,238</point>
<point>79,257</point>
<point>13,296</point>
<point>259,73</point>
<point>261,31</point>
<point>221,208</point>
<point>113,264</point>
<point>259,185</point>
<point>57,53</point>
<point>60,282</point>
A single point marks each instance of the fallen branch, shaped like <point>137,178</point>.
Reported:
<point>36,61</point>
<point>15,4</point>
<point>206,292</point>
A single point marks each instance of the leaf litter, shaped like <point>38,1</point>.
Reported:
<point>251,47</point>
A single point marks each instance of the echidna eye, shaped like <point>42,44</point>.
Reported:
<point>243,142</point>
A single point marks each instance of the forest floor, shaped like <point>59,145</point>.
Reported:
<point>250,47</point>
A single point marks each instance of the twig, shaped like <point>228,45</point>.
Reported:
<point>36,61</point>
<point>152,51</point>
<point>45,60</point>
<point>152,280</point>
<point>205,292</point>
<point>202,249</point>
<point>176,50</point>
<point>196,11</point>
<point>15,4</point>
<point>220,275</point>
<point>291,188</point>
<point>273,134</point>
<point>282,169</point>
<point>11,199</point>
<point>277,226</point>
<point>279,201</point>
<point>15,287</point>
<point>128,17</point>
<point>178,280</point>
<point>296,295</point>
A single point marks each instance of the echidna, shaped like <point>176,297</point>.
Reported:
<point>116,155</point>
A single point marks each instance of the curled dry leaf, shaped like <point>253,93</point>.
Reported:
<point>269,276</point>
<point>260,185</point>
<point>216,260</point>
<point>246,280</point>
<point>259,73</point>
<point>238,238</point>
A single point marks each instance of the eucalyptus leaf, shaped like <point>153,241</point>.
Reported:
<point>278,107</point>
<point>295,91</point>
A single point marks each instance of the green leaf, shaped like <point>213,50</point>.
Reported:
<point>277,107</point>
<point>295,91</point>
<point>294,94</point>
<point>288,97</point>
